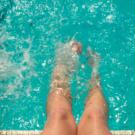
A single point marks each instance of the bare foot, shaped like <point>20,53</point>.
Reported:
<point>94,57</point>
<point>67,54</point>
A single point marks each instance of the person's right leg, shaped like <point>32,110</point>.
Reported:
<point>94,119</point>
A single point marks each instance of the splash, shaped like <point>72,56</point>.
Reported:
<point>14,71</point>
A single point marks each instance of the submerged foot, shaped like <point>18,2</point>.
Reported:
<point>67,55</point>
<point>94,60</point>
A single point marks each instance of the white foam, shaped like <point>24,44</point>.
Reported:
<point>110,18</point>
<point>11,72</point>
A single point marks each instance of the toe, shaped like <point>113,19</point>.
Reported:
<point>76,47</point>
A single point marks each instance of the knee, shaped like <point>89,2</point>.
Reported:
<point>62,117</point>
<point>60,114</point>
<point>94,113</point>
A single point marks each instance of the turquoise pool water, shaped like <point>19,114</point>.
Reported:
<point>29,34</point>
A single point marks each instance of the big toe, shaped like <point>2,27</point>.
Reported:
<point>76,47</point>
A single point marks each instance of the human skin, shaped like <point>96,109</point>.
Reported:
<point>60,120</point>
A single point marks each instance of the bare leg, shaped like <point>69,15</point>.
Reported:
<point>94,119</point>
<point>60,120</point>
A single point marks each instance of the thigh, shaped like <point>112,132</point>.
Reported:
<point>90,128</point>
<point>91,125</point>
<point>59,128</point>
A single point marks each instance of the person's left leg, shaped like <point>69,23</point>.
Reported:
<point>60,120</point>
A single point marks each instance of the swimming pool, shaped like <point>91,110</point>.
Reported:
<point>29,34</point>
